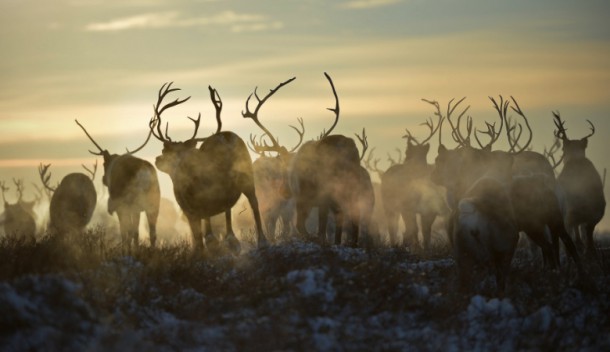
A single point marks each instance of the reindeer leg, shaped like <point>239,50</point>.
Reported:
<point>251,195</point>
<point>151,217</point>
<point>197,235</point>
<point>323,210</point>
<point>427,220</point>
<point>230,239</point>
<point>392,220</point>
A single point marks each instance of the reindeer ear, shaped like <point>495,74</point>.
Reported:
<point>442,148</point>
<point>585,142</point>
<point>191,143</point>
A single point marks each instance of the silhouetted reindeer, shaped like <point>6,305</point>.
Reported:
<point>581,185</point>
<point>209,180</point>
<point>72,201</point>
<point>133,188</point>
<point>18,218</point>
<point>407,190</point>
<point>271,172</point>
<point>533,192</point>
<point>327,174</point>
<point>483,226</point>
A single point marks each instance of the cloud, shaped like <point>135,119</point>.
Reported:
<point>239,22</point>
<point>367,4</point>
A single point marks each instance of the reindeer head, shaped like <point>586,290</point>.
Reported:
<point>173,151</point>
<point>572,148</point>
<point>108,158</point>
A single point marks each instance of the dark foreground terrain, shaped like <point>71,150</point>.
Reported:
<point>289,296</point>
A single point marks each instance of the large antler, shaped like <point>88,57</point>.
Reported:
<point>19,186</point>
<point>44,177</point>
<point>336,109</point>
<point>4,189</point>
<point>514,132</point>
<point>456,134</point>
<point>217,106</point>
<point>550,153</point>
<point>155,122</point>
<point>275,146</point>
<point>398,160</point>
<point>364,141</point>
<point>102,151</point>
<point>90,171</point>
<point>372,164</point>
<point>502,109</point>
<point>430,124</point>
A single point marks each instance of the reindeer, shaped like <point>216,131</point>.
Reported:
<point>582,186</point>
<point>18,218</point>
<point>407,190</point>
<point>271,173</point>
<point>209,180</point>
<point>73,200</point>
<point>327,174</point>
<point>483,227</point>
<point>534,193</point>
<point>133,188</point>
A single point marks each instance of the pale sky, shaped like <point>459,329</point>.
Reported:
<point>103,62</point>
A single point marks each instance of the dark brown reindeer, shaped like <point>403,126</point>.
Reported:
<point>327,174</point>
<point>582,186</point>
<point>482,227</point>
<point>207,180</point>
<point>276,202</point>
<point>72,203</point>
<point>133,188</point>
<point>407,190</point>
<point>18,219</point>
<point>533,192</point>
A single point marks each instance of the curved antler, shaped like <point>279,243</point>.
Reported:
<point>336,109</point>
<point>502,109</point>
<point>102,151</point>
<point>513,136</point>
<point>364,141</point>
<point>155,122</point>
<point>44,177</point>
<point>254,116</point>
<point>300,132</point>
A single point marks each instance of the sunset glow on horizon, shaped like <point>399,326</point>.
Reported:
<point>102,62</point>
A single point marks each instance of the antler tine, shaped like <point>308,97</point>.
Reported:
<point>19,187</point>
<point>550,153</point>
<point>254,115</point>
<point>336,110</point>
<point>91,172</point>
<point>364,141</point>
<point>301,133</point>
<point>592,130</point>
<point>4,189</point>
<point>516,108</point>
<point>430,124</point>
<point>502,109</point>
<point>158,109</point>
<point>439,115</point>
<point>374,167</point>
<point>44,177</point>
<point>196,122</point>
<point>561,130</point>
<point>91,139</point>
<point>455,131</point>
<point>217,106</point>
<point>409,136</point>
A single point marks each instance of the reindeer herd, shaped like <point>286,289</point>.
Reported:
<point>486,197</point>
